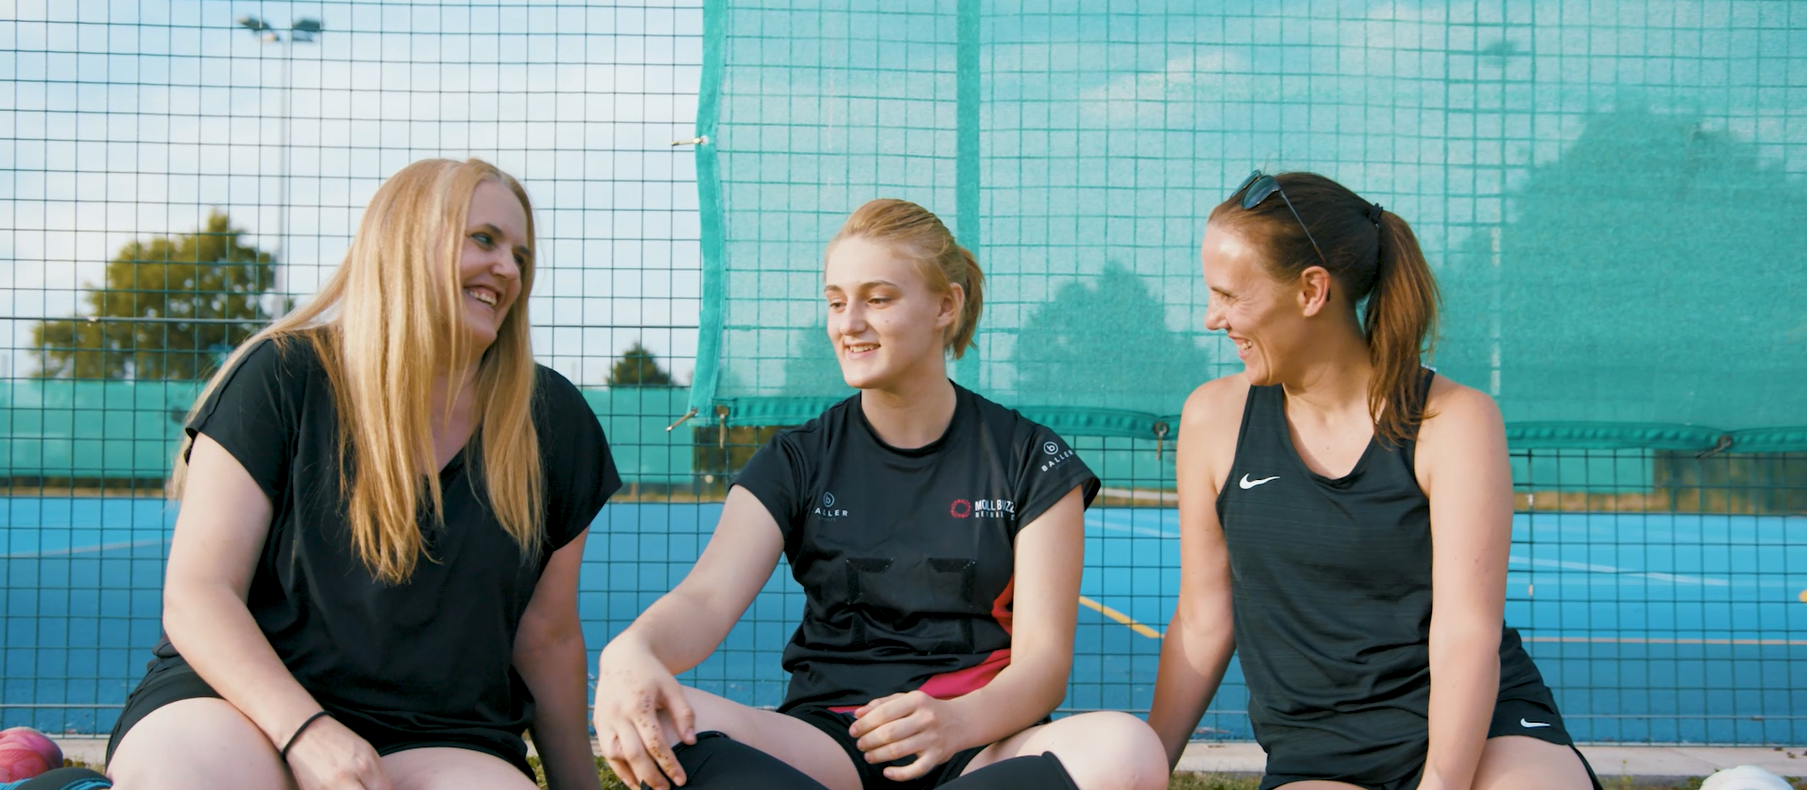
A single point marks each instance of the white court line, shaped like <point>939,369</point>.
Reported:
<point>1142,495</point>
<point>27,555</point>
<point>1100,523</point>
<point>1639,640</point>
<point>1592,568</point>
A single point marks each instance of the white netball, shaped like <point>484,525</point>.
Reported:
<point>1745,777</point>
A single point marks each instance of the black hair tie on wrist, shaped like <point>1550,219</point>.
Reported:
<point>299,730</point>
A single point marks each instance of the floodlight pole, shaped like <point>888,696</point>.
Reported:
<point>301,30</point>
<point>1497,56</point>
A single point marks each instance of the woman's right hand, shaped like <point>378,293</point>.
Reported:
<point>640,714</point>
<point>329,756</point>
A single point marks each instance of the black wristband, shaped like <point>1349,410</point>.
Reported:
<point>301,729</point>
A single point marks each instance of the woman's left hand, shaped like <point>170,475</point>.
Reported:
<point>912,723</point>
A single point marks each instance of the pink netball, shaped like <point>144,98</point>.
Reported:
<point>25,753</point>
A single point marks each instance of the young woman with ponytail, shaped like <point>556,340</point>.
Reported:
<point>373,579</point>
<point>1345,516</point>
<point>938,538</point>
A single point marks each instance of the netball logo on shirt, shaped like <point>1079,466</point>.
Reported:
<point>1057,455</point>
<point>982,508</point>
<point>994,508</point>
<point>827,509</point>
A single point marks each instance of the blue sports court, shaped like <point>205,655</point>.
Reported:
<point>1650,627</point>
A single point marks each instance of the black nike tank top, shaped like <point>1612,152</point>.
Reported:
<point>1331,582</point>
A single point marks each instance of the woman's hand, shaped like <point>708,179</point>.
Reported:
<point>329,756</point>
<point>912,723</point>
<point>640,713</point>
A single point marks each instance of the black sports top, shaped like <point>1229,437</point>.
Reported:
<point>1331,582</point>
<point>906,557</point>
<point>433,655</point>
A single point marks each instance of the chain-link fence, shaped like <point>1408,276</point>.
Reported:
<point>173,174</point>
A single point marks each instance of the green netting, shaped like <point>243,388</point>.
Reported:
<point>1611,192</point>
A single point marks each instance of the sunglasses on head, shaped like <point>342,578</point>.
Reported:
<point>1258,186</point>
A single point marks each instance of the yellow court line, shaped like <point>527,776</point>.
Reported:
<point>1121,618</point>
<point>1638,640</point>
<point>1127,621</point>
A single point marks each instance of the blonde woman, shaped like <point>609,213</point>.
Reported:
<point>384,504</point>
<point>939,539</point>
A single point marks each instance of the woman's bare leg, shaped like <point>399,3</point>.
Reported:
<point>442,768</point>
<point>798,744</point>
<point>197,743</point>
<point>1100,751</point>
<point>1514,761</point>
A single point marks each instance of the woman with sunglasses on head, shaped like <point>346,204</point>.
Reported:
<point>938,538</point>
<point>1345,519</point>
<point>373,579</point>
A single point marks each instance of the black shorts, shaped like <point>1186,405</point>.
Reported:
<point>1535,717</point>
<point>872,775</point>
<point>172,680</point>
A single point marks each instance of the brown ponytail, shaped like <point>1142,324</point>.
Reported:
<point>942,262</point>
<point>1371,254</point>
<point>1399,322</point>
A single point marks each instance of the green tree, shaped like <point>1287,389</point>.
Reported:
<point>638,368</point>
<point>811,368</point>
<point>1652,273</point>
<point>1105,341</point>
<point>169,308</point>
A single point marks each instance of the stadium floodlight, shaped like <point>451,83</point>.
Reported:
<point>305,29</point>
<point>258,26</point>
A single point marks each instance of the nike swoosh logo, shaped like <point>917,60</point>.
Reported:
<point>1247,484</point>
<point>1531,725</point>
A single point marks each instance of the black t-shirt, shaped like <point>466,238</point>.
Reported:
<point>433,655</point>
<point>906,556</point>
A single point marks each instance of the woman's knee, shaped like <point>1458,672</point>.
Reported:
<point>197,743</point>
<point>790,740</point>
<point>443,768</point>
<point>1106,750</point>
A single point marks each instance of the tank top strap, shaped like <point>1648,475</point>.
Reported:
<point>1408,451</point>
<point>1263,424</point>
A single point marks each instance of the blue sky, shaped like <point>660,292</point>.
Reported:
<point>128,119</point>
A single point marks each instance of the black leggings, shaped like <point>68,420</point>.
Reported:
<point>718,762</point>
<point>61,779</point>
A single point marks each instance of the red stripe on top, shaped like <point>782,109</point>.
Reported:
<point>966,681</point>
<point>1001,608</point>
<point>973,678</point>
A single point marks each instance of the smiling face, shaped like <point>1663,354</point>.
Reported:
<point>494,254</point>
<point>887,326</point>
<point>1262,316</point>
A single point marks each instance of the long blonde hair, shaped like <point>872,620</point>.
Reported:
<point>381,327</point>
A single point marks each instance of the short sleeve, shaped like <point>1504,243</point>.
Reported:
<point>580,471</point>
<point>1050,468</point>
<point>778,475</point>
<point>254,412</point>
